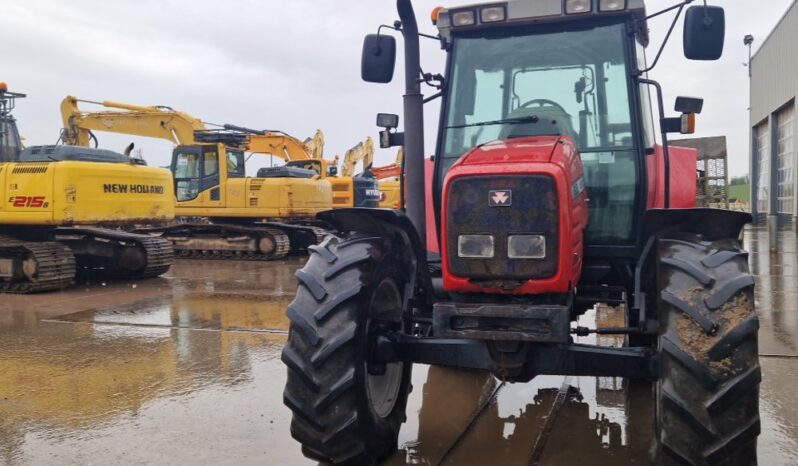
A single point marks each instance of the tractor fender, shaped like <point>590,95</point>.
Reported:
<point>711,224</point>
<point>388,223</point>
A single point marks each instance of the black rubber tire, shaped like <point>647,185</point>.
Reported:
<point>326,353</point>
<point>707,396</point>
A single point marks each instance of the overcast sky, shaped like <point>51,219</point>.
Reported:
<point>289,65</point>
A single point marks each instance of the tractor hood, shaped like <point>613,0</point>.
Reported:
<point>515,188</point>
<point>536,149</point>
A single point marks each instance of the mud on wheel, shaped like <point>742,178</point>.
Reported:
<point>708,393</point>
<point>343,411</point>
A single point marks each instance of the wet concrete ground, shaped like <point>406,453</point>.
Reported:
<point>185,370</point>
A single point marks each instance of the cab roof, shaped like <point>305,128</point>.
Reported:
<point>71,153</point>
<point>533,12</point>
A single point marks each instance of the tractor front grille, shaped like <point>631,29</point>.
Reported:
<point>530,207</point>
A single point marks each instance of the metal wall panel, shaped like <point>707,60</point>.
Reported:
<point>762,160</point>
<point>774,68</point>
<point>785,151</point>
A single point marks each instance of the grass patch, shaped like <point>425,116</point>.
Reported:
<point>741,192</point>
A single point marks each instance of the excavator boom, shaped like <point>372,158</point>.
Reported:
<point>152,122</point>
<point>364,152</point>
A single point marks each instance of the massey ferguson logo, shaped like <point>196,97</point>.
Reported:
<point>503,198</point>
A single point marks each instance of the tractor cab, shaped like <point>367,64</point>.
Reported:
<point>10,141</point>
<point>571,80</point>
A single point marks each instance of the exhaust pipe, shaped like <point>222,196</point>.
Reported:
<point>414,121</point>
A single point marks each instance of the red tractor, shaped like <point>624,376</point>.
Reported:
<point>550,194</point>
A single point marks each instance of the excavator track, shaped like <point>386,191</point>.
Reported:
<point>159,257</point>
<point>120,253</point>
<point>259,242</point>
<point>35,267</point>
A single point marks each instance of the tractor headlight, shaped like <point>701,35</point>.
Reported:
<point>526,247</point>
<point>475,246</point>
<point>578,6</point>
<point>492,14</point>
<point>464,18</point>
<point>612,5</point>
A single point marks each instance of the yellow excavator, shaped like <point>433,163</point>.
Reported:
<point>59,206</point>
<point>259,218</point>
<point>364,184</point>
<point>347,190</point>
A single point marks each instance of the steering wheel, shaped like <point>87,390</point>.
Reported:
<point>544,102</point>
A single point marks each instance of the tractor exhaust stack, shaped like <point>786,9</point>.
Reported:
<point>414,121</point>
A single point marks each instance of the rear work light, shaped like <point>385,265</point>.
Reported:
<point>578,6</point>
<point>492,14</point>
<point>612,5</point>
<point>464,18</point>
<point>475,246</point>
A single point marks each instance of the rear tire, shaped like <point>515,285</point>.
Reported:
<point>708,393</point>
<point>342,414</point>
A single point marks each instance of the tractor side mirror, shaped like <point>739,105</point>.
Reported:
<point>379,58</point>
<point>332,171</point>
<point>704,32</point>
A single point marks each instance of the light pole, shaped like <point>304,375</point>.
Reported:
<point>749,41</point>
<point>755,167</point>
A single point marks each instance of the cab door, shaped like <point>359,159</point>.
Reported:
<point>187,171</point>
<point>197,176</point>
<point>212,193</point>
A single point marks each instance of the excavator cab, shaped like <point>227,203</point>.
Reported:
<point>10,141</point>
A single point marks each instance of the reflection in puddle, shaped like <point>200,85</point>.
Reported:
<point>470,418</point>
<point>220,311</point>
<point>65,380</point>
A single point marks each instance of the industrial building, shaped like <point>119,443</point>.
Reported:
<point>773,160</point>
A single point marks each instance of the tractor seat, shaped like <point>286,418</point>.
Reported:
<point>551,122</point>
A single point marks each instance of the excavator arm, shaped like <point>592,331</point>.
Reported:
<point>153,122</point>
<point>363,151</point>
<point>284,146</point>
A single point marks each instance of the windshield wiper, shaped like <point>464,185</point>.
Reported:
<point>505,121</point>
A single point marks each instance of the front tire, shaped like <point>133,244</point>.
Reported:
<point>707,409</point>
<point>342,413</point>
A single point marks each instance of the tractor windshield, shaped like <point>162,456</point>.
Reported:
<point>572,83</point>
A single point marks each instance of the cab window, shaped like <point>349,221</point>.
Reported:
<point>235,164</point>
<point>211,164</point>
<point>187,175</point>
